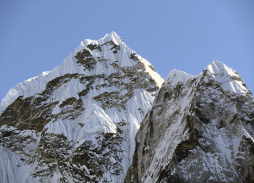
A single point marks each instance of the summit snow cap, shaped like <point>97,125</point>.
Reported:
<point>111,46</point>
<point>176,76</point>
<point>226,77</point>
<point>229,79</point>
<point>92,105</point>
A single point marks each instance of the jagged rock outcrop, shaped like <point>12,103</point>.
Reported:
<point>77,123</point>
<point>200,129</point>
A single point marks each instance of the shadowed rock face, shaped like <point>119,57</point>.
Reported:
<point>196,132</point>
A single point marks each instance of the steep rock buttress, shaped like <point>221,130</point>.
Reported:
<point>200,129</point>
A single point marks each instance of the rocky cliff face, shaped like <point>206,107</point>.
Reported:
<point>77,123</point>
<point>200,129</point>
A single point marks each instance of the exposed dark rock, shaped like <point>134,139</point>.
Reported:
<point>34,112</point>
<point>70,109</point>
<point>114,47</point>
<point>199,135</point>
<point>134,57</point>
<point>94,47</point>
<point>86,59</point>
<point>152,67</point>
<point>47,133</point>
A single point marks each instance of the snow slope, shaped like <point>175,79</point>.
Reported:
<point>84,114</point>
<point>229,78</point>
<point>37,84</point>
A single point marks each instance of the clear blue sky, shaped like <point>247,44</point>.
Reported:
<point>36,36</point>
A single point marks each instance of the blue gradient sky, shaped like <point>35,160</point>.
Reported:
<point>36,36</point>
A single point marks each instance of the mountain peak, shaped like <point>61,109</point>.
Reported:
<point>112,34</point>
<point>89,109</point>
<point>227,77</point>
<point>217,67</point>
<point>176,76</point>
<point>198,130</point>
<point>110,49</point>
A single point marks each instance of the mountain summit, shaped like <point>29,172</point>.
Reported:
<point>200,129</point>
<point>77,123</point>
<point>105,115</point>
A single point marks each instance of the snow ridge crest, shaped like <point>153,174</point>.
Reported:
<point>225,76</point>
<point>110,41</point>
<point>229,79</point>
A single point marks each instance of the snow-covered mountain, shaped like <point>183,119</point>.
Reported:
<point>77,123</point>
<point>200,129</point>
